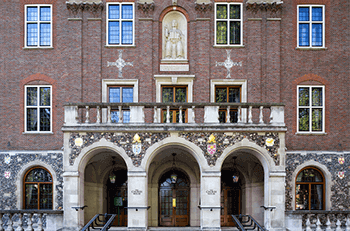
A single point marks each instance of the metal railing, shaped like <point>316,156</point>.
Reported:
<point>102,222</point>
<point>247,222</point>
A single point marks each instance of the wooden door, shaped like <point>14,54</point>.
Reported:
<point>117,198</point>
<point>230,204</point>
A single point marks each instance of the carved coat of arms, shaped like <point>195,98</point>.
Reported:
<point>7,159</point>
<point>137,146</point>
<point>211,147</point>
<point>341,175</point>
<point>7,175</point>
<point>341,160</point>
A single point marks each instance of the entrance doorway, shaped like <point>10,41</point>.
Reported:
<point>230,198</point>
<point>117,198</point>
<point>174,200</point>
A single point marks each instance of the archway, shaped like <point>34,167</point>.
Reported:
<point>105,186</point>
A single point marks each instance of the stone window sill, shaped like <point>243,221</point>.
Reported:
<point>311,133</point>
<point>311,48</point>
<point>37,48</point>
<point>37,133</point>
<point>228,46</point>
<point>120,46</point>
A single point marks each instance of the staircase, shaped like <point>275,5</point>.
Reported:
<point>247,222</point>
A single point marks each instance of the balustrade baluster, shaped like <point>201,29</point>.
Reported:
<point>87,114</point>
<point>109,116</point>
<point>120,114</point>
<point>1,223</point>
<point>250,116</point>
<point>239,120</point>
<point>338,225</point>
<point>347,224</point>
<point>228,117</point>
<point>40,223</point>
<point>76,113</point>
<point>261,116</point>
<point>168,114</point>
<point>193,115</point>
<point>180,115</point>
<point>98,115</point>
<point>328,224</point>
<point>29,222</point>
<point>9,223</point>
<point>19,223</point>
<point>155,115</point>
<point>318,224</point>
<point>308,224</point>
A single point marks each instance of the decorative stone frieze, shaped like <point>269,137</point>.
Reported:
<point>123,140</point>
<point>273,6</point>
<point>145,7</point>
<point>340,189</point>
<point>85,6</point>
<point>204,7</point>
<point>223,141</point>
<point>14,163</point>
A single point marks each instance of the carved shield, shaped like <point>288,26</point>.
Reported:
<point>341,175</point>
<point>136,148</point>
<point>7,159</point>
<point>7,175</point>
<point>341,160</point>
<point>211,148</point>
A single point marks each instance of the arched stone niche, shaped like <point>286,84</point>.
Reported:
<point>174,37</point>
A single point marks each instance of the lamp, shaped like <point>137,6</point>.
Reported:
<point>112,176</point>
<point>235,176</point>
<point>173,176</point>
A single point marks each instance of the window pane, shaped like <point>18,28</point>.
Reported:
<point>234,95</point>
<point>221,12</point>
<point>167,95</point>
<point>31,195</point>
<point>45,196</point>
<point>32,96</point>
<point>44,96</point>
<point>222,116</point>
<point>127,94</point>
<point>38,175</point>
<point>45,34</point>
<point>317,34</point>
<point>178,116</point>
<point>233,116</point>
<point>180,95</point>
<point>317,119</point>
<point>221,32</point>
<point>317,96</point>
<point>45,13</point>
<point>304,99</point>
<point>235,35</point>
<point>316,13</point>
<point>309,175</point>
<point>164,116</point>
<point>302,197</point>
<point>114,94</point>
<point>114,116</point>
<point>235,12</point>
<point>32,13</point>
<point>45,119</point>
<point>304,13</point>
<point>113,12</point>
<point>304,34</point>
<point>113,32</point>
<point>316,197</point>
<point>32,118</point>
<point>221,95</point>
<point>126,116</point>
<point>127,12</point>
<point>304,119</point>
<point>32,34</point>
<point>126,32</point>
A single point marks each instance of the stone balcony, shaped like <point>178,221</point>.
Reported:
<point>97,117</point>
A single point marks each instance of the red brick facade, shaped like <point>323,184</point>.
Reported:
<point>271,64</point>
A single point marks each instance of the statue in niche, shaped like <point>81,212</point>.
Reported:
<point>174,37</point>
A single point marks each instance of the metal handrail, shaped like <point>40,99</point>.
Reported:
<point>86,227</point>
<point>109,223</point>
<point>259,226</point>
<point>243,224</point>
<point>238,223</point>
<point>106,224</point>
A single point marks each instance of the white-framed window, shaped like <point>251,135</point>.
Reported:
<point>228,24</point>
<point>311,109</point>
<point>311,26</point>
<point>38,26</point>
<point>120,24</point>
<point>38,108</point>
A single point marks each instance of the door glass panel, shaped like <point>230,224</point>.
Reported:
<point>302,197</point>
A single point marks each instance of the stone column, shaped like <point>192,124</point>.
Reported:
<point>275,219</point>
<point>210,200</point>
<point>137,201</point>
<point>72,219</point>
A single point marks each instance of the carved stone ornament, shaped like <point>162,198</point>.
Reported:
<point>7,174</point>
<point>136,192</point>
<point>76,6</point>
<point>228,64</point>
<point>146,7</point>
<point>341,160</point>
<point>274,7</point>
<point>7,159</point>
<point>341,175</point>
<point>203,7</point>
<point>120,64</point>
<point>211,192</point>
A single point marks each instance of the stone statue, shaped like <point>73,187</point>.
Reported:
<point>174,42</point>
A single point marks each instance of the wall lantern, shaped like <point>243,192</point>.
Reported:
<point>235,176</point>
<point>112,176</point>
<point>173,176</point>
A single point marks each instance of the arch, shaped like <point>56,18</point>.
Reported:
<point>20,180</point>
<point>87,152</point>
<point>326,174</point>
<point>171,9</point>
<point>190,147</point>
<point>310,77</point>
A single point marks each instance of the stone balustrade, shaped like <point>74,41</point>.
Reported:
<point>31,220</point>
<point>318,220</point>
<point>100,114</point>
